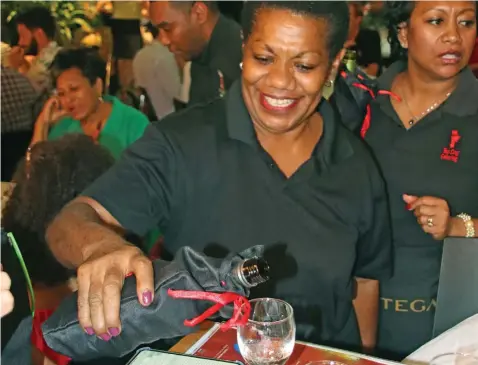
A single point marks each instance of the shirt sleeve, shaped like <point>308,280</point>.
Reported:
<point>138,189</point>
<point>374,253</point>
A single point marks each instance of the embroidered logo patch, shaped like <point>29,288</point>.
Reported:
<point>451,153</point>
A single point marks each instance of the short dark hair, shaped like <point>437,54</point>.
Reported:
<point>396,13</point>
<point>86,59</point>
<point>154,30</point>
<point>58,172</point>
<point>38,17</point>
<point>212,5</point>
<point>335,12</point>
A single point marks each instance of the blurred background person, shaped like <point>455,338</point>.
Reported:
<point>36,29</point>
<point>6,298</point>
<point>156,71</point>
<point>124,18</point>
<point>369,52</point>
<point>196,31</point>
<point>356,12</point>
<point>80,105</point>
<point>423,132</point>
<point>20,106</point>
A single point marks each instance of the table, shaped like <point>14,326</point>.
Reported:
<point>186,342</point>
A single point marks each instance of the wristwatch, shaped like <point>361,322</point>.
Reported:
<point>469,226</point>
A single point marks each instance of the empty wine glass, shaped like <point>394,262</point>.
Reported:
<point>268,338</point>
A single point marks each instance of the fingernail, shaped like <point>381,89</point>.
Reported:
<point>113,331</point>
<point>105,337</point>
<point>408,207</point>
<point>90,331</point>
<point>147,297</point>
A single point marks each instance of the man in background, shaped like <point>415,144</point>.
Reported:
<point>155,70</point>
<point>36,30</point>
<point>196,31</point>
<point>20,106</point>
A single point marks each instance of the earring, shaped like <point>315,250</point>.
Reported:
<point>240,65</point>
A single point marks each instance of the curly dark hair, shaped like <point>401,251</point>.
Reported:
<point>58,171</point>
<point>86,59</point>
<point>335,12</point>
<point>397,13</point>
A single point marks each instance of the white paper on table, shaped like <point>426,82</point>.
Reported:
<point>151,357</point>
<point>462,338</point>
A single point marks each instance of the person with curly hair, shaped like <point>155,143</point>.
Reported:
<point>423,132</point>
<point>52,174</point>
<point>79,105</point>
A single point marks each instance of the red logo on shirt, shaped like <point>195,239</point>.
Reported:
<point>450,153</point>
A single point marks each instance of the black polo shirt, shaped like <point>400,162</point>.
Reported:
<point>423,160</point>
<point>438,156</point>
<point>203,178</point>
<point>222,55</point>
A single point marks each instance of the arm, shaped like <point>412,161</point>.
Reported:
<point>50,114</point>
<point>95,222</point>
<point>437,210</point>
<point>366,304</point>
<point>458,229</point>
<point>133,196</point>
<point>87,226</point>
<point>374,258</point>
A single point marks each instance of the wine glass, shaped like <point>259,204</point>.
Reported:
<point>268,337</point>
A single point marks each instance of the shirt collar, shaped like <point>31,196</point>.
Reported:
<point>462,102</point>
<point>333,146</point>
<point>213,45</point>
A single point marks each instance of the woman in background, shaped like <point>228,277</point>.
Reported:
<point>424,134</point>
<point>79,105</point>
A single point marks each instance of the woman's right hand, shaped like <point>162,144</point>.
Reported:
<point>51,112</point>
<point>100,281</point>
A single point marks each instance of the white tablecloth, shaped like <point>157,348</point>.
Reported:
<point>461,338</point>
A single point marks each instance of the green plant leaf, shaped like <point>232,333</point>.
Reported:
<point>84,25</point>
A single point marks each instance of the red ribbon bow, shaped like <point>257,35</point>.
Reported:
<point>240,316</point>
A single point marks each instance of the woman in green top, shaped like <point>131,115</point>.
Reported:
<point>79,105</point>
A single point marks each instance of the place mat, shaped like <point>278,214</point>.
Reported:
<point>218,344</point>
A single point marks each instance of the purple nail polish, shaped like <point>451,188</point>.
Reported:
<point>90,331</point>
<point>113,331</point>
<point>147,297</point>
<point>105,337</point>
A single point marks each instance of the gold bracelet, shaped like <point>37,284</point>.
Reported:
<point>469,226</point>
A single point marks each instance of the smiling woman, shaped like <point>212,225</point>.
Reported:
<point>289,48</point>
<point>269,163</point>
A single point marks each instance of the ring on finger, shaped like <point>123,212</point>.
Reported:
<point>430,222</point>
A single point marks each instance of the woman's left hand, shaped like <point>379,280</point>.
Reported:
<point>432,213</point>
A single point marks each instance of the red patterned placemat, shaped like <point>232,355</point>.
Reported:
<point>217,344</point>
